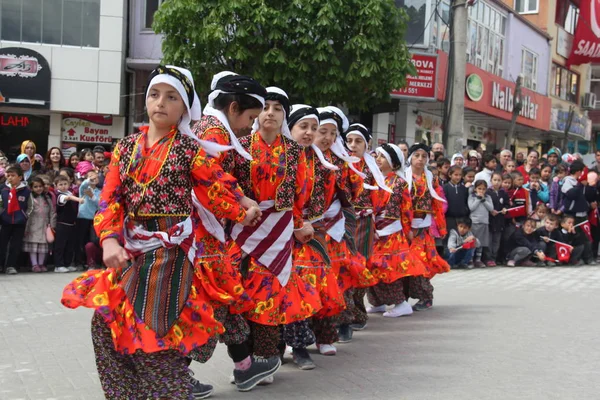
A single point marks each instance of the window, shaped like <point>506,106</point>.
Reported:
<point>486,31</point>
<point>567,15</point>
<point>527,6</point>
<point>62,22</point>
<point>416,11</point>
<point>440,36</point>
<point>566,84</point>
<point>529,66</point>
<point>151,7</point>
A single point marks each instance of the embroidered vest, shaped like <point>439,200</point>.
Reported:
<point>168,193</point>
<point>209,122</point>
<point>284,197</point>
<point>422,200</point>
<point>393,207</point>
<point>364,198</point>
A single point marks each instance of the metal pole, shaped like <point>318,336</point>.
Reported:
<point>517,106</point>
<point>456,115</point>
<point>568,127</point>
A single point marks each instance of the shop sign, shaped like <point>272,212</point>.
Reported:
<point>503,99</point>
<point>586,47</point>
<point>422,85</point>
<point>580,126</point>
<point>83,128</point>
<point>474,87</point>
<point>24,78</point>
<point>21,121</point>
<point>564,43</point>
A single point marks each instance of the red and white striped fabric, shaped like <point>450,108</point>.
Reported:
<point>334,221</point>
<point>139,240</point>
<point>270,241</point>
<point>386,226</point>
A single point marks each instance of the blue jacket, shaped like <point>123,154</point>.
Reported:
<point>24,198</point>
<point>543,194</point>
<point>88,209</point>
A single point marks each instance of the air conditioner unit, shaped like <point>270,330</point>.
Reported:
<point>589,101</point>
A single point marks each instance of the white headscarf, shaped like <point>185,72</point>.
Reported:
<point>455,156</point>
<point>369,160</point>
<point>337,147</point>
<point>428,176</point>
<point>316,149</point>
<point>285,130</point>
<point>193,113</point>
<point>381,150</point>
<point>211,110</point>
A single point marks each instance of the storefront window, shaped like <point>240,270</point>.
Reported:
<point>485,39</point>
<point>529,62</point>
<point>64,22</point>
<point>15,128</point>
<point>566,84</point>
<point>416,10</point>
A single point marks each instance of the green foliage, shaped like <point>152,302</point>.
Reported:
<point>319,51</point>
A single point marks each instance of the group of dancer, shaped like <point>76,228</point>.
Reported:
<point>256,223</point>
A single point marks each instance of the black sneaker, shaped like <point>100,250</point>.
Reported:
<point>199,390</point>
<point>260,369</point>
<point>302,359</point>
<point>345,334</point>
<point>358,327</point>
<point>422,305</point>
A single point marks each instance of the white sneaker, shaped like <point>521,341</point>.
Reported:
<point>72,269</point>
<point>62,270</point>
<point>267,381</point>
<point>327,349</point>
<point>375,310</point>
<point>399,310</point>
<point>232,379</point>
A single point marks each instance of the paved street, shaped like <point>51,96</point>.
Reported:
<point>493,334</point>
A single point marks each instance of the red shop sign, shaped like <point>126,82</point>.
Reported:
<point>586,45</point>
<point>423,85</point>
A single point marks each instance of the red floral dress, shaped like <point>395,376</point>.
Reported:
<point>151,186</point>
<point>392,258</point>
<point>423,244</point>
<point>272,303</point>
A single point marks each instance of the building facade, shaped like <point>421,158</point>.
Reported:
<point>62,80</point>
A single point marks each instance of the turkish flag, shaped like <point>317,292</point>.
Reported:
<point>13,202</point>
<point>587,229</point>
<point>564,252</point>
<point>586,44</point>
<point>469,245</point>
<point>593,217</point>
<point>515,212</point>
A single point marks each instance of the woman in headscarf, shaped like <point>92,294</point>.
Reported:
<point>275,177</point>
<point>554,157</point>
<point>427,202</point>
<point>29,148</point>
<point>142,332</point>
<point>310,259</point>
<point>25,164</point>
<point>233,105</point>
<point>392,259</point>
<point>358,138</point>
<point>474,160</point>
<point>458,159</point>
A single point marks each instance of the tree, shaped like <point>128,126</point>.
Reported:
<point>320,52</point>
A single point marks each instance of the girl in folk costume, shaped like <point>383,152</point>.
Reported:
<point>392,258</point>
<point>330,210</point>
<point>233,105</point>
<point>276,179</point>
<point>310,258</point>
<point>427,203</point>
<point>151,308</point>
<point>357,139</point>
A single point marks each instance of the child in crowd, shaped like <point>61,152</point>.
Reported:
<point>457,197</point>
<point>537,191</point>
<point>87,210</point>
<point>443,166</point>
<point>510,167</point>
<point>546,176</point>
<point>575,203</point>
<point>524,244</point>
<point>15,207</point>
<point>549,231</point>
<point>556,195</point>
<point>568,234</point>
<point>41,218</point>
<point>468,176</point>
<point>49,189</point>
<point>70,175</point>
<point>501,203</point>
<point>66,216</point>
<point>3,162</point>
<point>461,244</point>
<point>507,182</point>
<point>489,166</point>
<point>480,205</point>
<point>539,213</point>
<point>520,205</point>
<point>2,175</point>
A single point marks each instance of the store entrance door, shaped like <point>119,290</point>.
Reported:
<point>16,128</point>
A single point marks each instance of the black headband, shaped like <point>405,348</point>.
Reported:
<point>240,84</point>
<point>419,146</point>
<point>185,82</point>
<point>393,155</point>
<point>334,116</point>
<point>356,127</point>
<point>300,113</point>
<point>284,101</point>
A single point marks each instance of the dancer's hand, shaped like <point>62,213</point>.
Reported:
<point>114,255</point>
<point>305,234</point>
<point>248,203</point>
<point>252,216</point>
